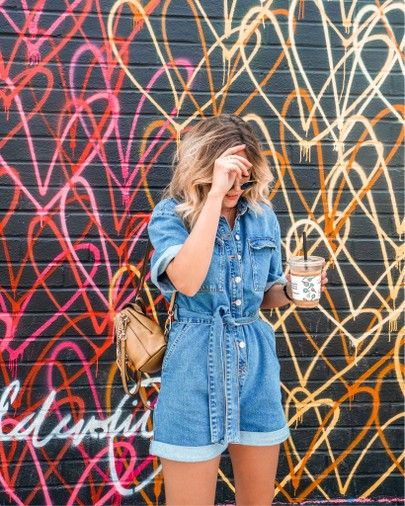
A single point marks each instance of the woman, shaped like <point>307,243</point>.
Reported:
<point>216,243</point>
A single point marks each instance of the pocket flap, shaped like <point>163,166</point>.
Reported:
<point>261,242</point>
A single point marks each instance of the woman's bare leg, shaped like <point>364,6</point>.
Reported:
<point>190,483</point>
<point>254,471</point>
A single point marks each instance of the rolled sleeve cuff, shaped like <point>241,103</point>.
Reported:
<point>282,280</point>
<point>158,273</point>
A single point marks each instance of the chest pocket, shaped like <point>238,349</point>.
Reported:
<point>261,249</point>
<point>215,278</point>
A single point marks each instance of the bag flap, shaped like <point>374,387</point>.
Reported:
<point>137,315</point>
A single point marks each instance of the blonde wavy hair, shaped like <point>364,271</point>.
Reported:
<point>193,164</point>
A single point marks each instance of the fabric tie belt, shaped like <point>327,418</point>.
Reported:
<point>223,384</point>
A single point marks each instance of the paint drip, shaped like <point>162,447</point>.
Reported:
<point>305,149</point>
<point>393,321</point>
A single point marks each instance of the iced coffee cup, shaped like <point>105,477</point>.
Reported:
<point>306,280</point>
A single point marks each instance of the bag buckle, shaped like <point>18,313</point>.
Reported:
<point>169,319</point>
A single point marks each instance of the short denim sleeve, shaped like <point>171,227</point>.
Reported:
<point>167,234</point>
<point>276,274</point>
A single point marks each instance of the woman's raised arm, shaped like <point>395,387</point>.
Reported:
<point>189,267</point>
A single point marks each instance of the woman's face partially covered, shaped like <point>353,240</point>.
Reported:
<point>231,198</point>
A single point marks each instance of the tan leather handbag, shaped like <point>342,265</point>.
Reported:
<point>140,342</point>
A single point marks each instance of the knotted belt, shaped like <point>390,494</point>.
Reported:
<point>223,384</point>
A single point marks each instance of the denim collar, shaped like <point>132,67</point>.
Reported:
<point>243,205</point>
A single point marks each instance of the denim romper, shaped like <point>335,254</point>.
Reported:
<point>220,376</point>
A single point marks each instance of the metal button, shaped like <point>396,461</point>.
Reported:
<point>238,279</point>
<point>242,344</point>
<point>238,302</point>
<point>237,237</point>
<point>239,256</point>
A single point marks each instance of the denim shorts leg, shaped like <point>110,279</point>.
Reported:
<point>262,418</point>
<point>181,427</point>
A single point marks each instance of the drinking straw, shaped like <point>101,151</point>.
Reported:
<point>304,238</point>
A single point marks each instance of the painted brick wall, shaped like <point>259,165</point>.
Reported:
<point>92,98</point>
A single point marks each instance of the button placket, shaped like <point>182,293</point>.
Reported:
<point>234,268</point>
<point>238,279</point>
<point>236,287</point>
<point>238,252</point>
<point>242,360</point>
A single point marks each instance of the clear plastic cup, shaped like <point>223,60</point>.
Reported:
<point>306,280</point>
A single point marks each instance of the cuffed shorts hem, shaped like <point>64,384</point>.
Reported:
<point>201,453</point>
<point>186,453</point>
<point>264,438</point>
